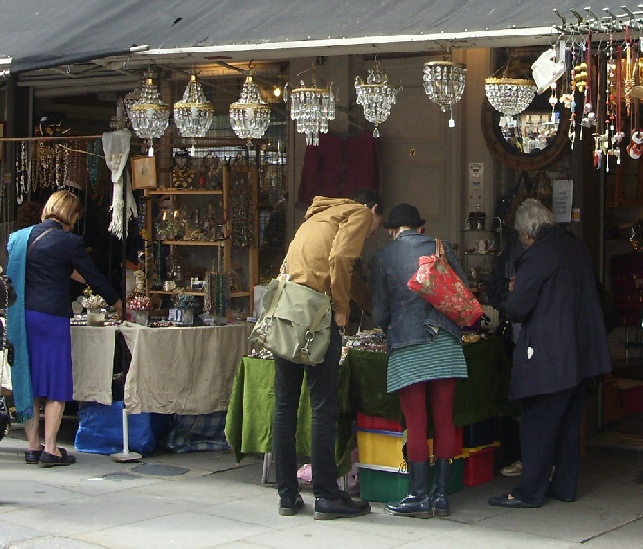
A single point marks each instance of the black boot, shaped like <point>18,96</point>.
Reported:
<point>439,503</point>
<point>418,503</point>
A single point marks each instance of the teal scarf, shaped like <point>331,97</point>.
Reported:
<point>17,329</point>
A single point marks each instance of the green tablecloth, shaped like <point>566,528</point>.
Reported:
<point>362,388</point>
<point>480,396</point>
<point>252,404</point>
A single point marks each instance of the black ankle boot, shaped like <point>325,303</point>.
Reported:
<point>439,503</point>
<point>418,503</point>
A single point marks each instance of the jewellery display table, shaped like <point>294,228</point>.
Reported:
<point>362,388</point>
<point>174,370</point>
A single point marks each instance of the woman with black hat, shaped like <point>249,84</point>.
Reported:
<point>425,353</point>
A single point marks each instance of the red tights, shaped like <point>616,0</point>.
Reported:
<point>413,402</point>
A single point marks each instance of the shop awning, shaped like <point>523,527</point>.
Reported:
<point>39,34</point>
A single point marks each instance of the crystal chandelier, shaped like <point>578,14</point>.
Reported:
<point>193,115</point>
<point>510,96</point>
<point>149,115</point>
<point>249,116</point>
<point>444,84</point>
<point>376,96</point>
<point>312,107</point>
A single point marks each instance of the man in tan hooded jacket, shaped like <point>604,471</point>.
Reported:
<point>321,256</point>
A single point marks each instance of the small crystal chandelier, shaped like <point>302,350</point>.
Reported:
<point>149,115</point>
<point>376,96</point>
<point>249,116</point>
<point>444,84</point>
<point>312,107</point>
<point>193,115</point>
<point>510,96</point>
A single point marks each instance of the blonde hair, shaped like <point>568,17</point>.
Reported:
<point>63,206</point>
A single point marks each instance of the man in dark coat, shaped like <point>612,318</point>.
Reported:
<point>562,343</point>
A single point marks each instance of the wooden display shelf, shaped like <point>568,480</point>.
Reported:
<point>188,292</point>
<point>173,190</point>
<point>194,242</point>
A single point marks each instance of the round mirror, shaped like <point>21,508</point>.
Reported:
<point>531,140</point>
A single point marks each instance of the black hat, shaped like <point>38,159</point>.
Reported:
<point>403,215</point>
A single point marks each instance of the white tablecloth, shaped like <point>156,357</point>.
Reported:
<point>177,370</point>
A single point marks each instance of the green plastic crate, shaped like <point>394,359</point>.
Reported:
<point>379,483</point>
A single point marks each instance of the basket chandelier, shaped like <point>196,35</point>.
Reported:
<point>444,83</point>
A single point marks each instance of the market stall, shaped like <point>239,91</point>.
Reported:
<point>362,388</point>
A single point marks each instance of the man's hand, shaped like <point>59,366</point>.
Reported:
<point>119,309</point>
<point>340,319</point>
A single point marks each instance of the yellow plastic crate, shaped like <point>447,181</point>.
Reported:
<point>383,448</point>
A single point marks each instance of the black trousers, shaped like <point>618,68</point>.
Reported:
<point>550,437</point>
<point>322,382</point>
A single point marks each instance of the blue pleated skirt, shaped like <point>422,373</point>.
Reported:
<point>49,343</point>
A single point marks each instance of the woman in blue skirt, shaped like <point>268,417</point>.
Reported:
<point>425,355</point>
<point>42,260</point>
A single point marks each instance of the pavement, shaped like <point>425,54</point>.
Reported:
<point>205,499</point>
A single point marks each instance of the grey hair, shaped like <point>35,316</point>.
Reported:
<point>532,217</point>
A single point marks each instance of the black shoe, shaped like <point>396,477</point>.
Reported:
<point>32,457</point>
<point>342,507</point>
<point>289,506</point>
<point>411,506</point>
<point>507,500</point>
<point>50,460</point>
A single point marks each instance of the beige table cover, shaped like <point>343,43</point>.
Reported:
<point>183,370</point>
<point>92,359</point>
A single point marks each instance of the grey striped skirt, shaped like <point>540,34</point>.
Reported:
<point>441,359</point>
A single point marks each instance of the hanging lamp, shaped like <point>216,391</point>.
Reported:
<point>510,96</point>
<point>249,115</point>
<point>311,107</point>
<point>376,96</point>
<point>193,115</point>
<point>444,83</point>
<point>149,115</point>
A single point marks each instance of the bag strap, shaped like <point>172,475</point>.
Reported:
<point>323,307</point>
<point>275,299</point>
<point>31,246</point>
<point>439,248</point>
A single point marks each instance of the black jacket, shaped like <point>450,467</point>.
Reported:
<point>49,267</point>
<point>562,340</point>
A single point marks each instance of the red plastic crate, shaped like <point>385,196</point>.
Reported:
<point>479,467</point>
<point>632,400</point>
<point>377,423</point>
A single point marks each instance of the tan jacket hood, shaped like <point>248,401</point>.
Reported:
<point>321,203</point>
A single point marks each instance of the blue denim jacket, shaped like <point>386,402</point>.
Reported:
<point>404,316</point>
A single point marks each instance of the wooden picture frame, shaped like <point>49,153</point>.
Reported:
<point>143,172</point>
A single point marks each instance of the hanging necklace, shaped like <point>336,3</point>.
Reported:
<point>21,174</point>
<point>93,154</point>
